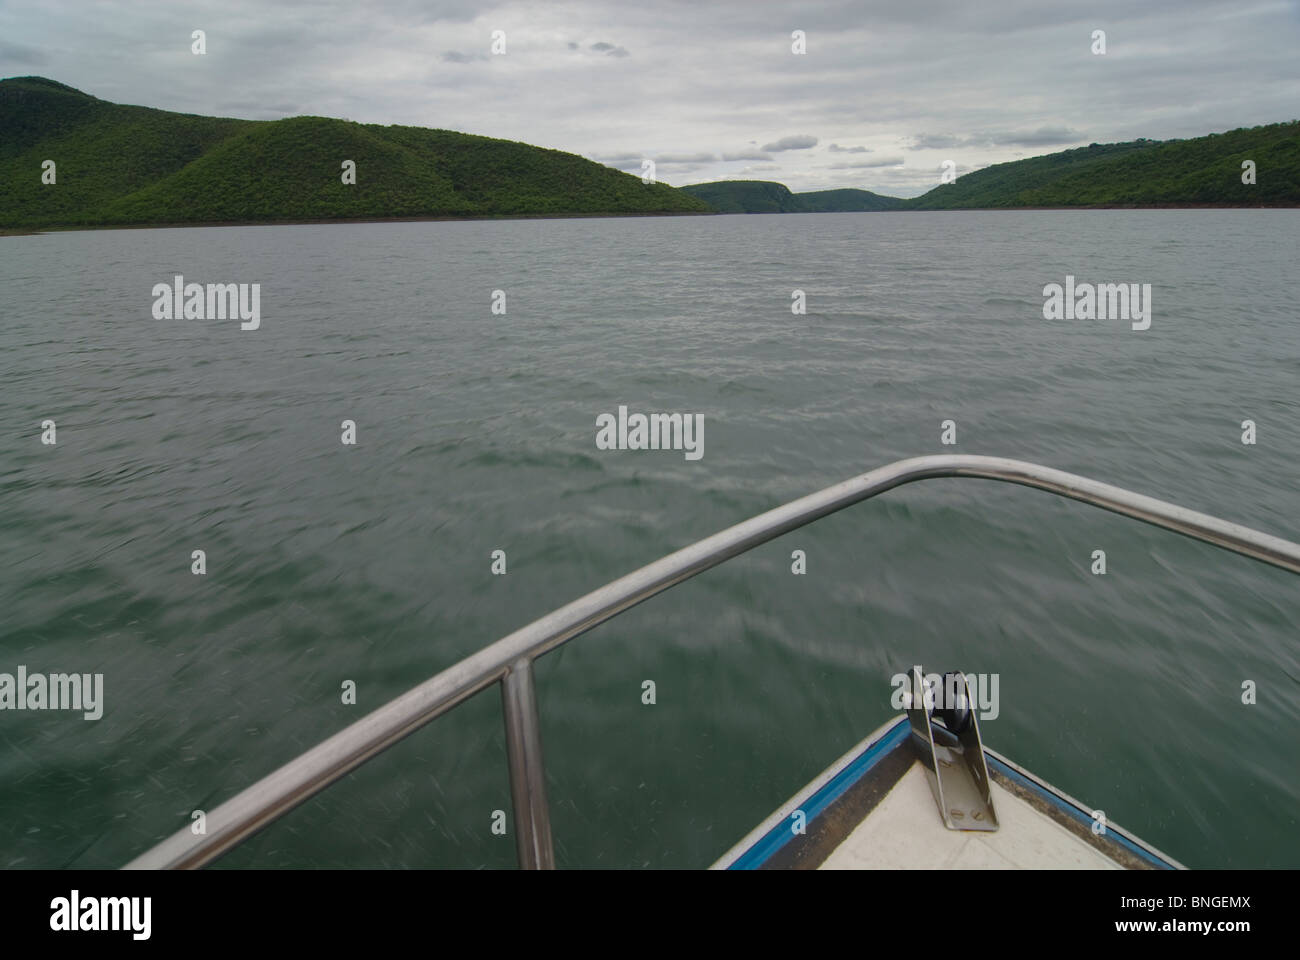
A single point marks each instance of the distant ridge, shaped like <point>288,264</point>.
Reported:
<point>1204,171</point>
<point>123,165</point>
<point>763,196</point>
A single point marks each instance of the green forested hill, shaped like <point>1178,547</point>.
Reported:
<point>762,196</point>
<point>823,201</point>
<point>745,196</point>
<point>1204,170</point>
<point>123,165</point>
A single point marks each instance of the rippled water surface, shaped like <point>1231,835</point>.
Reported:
<point>476,432</point>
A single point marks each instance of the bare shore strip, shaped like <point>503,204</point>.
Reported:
<point>32,231</point>
<point>161,225</point>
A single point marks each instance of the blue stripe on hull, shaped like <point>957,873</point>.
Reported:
<point>1074,812</point>
<point>781,834</point>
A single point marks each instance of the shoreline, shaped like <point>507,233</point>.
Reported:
<point>1117,206</point>
<point>164,225</point>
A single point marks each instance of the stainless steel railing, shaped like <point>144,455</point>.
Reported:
<point>509,660</point>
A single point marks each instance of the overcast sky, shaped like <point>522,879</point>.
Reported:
<point>709,90</point>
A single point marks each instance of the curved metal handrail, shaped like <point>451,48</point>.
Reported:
<point>509,660</point>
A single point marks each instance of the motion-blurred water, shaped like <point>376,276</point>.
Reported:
<point>476,432</point>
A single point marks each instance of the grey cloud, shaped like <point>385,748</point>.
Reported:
<point>864,164</point>
<point>620,161</point>
<point>942,141</point>
<point>686,158</point>
<point>625,165</point>
<point>28,56</point>
<point>453,56</point>
<point>1042,137</point>
<point>796,142</point>
<point>836,148</point>
<point>747,155</point>
<point>609,49</point>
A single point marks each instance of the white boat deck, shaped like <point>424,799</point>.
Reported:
<point>904,832</point>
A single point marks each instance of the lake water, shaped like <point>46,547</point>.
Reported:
<point>476,432</point>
